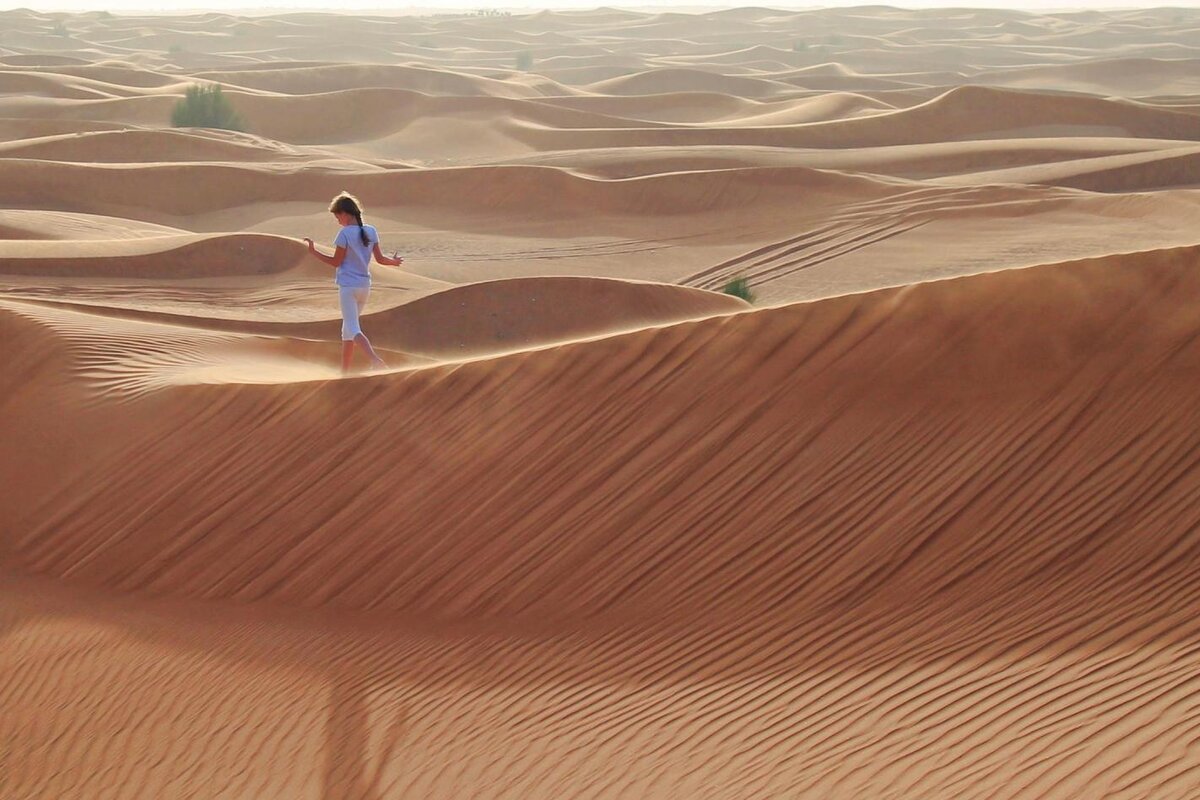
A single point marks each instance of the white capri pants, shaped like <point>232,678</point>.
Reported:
<point>352,299</point>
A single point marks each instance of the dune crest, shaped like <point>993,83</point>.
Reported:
<point>1064,321</point>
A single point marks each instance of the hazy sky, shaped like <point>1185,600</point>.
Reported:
<point>134,6</point>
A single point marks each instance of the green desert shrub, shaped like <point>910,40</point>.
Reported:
<point>799,46</point>
<point>206,107</point>
<point>739,287</point>
<point>524,60</point>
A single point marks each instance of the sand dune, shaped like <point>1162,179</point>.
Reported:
<point>962,113</point>
<point>966,162</point>
<point>855,83</point>
<point>14,129</point>
<point>664,81</point>
<point>1132,172</point>
<point>709,107</point>
<point>40,60</point>
<point>170,256</point>
<point>917,523</point>
<point>148,341</point>
<point>316,118</point>
<point>47,86</point>
<point>342,77</point>
<point>842,346</point>
<point>937,559</point>
<point>132,146</point>
<point>935,231</point>
<point>1122,76</point>
<point>145,110</point>
<point>486,318</point>
<point>123,357</point>
<point>678,107</point>
<point>43,224</point>
<point>830,106</point>
<point>107,74</point>
<point>150,189</point>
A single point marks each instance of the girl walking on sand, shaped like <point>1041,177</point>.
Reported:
<point>351,260</point>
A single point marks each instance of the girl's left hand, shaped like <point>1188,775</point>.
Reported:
<point>310,244</point>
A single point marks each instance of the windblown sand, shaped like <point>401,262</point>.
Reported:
<point>922,522</point>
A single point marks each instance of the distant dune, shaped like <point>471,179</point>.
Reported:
<point>1126,76</point>
<point>186,255</point>
<point>663,81</point>
<point>482,318</point>
<point>341,77</point>
<point>153,188</point>
<point>132,146</point>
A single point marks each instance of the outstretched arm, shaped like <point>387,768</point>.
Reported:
<point>334,260</point>
<point>391,261</point>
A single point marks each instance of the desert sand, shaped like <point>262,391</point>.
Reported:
<point>922,521</point>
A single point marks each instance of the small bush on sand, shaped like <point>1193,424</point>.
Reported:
<point>60,29</point>
<point>524,61</point>
<point>739,287</point>
<point>799,46</point>
<point>206,107</point>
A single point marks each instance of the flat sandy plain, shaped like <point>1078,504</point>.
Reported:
<point>923,522</point>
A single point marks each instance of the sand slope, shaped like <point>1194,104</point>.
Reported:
<point>905,515</point>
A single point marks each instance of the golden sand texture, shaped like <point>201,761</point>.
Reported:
<point>920,522</point>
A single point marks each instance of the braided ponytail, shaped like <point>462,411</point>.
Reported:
<point>366,240</point>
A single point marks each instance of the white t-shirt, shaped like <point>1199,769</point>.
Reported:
<point>356,266</point>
